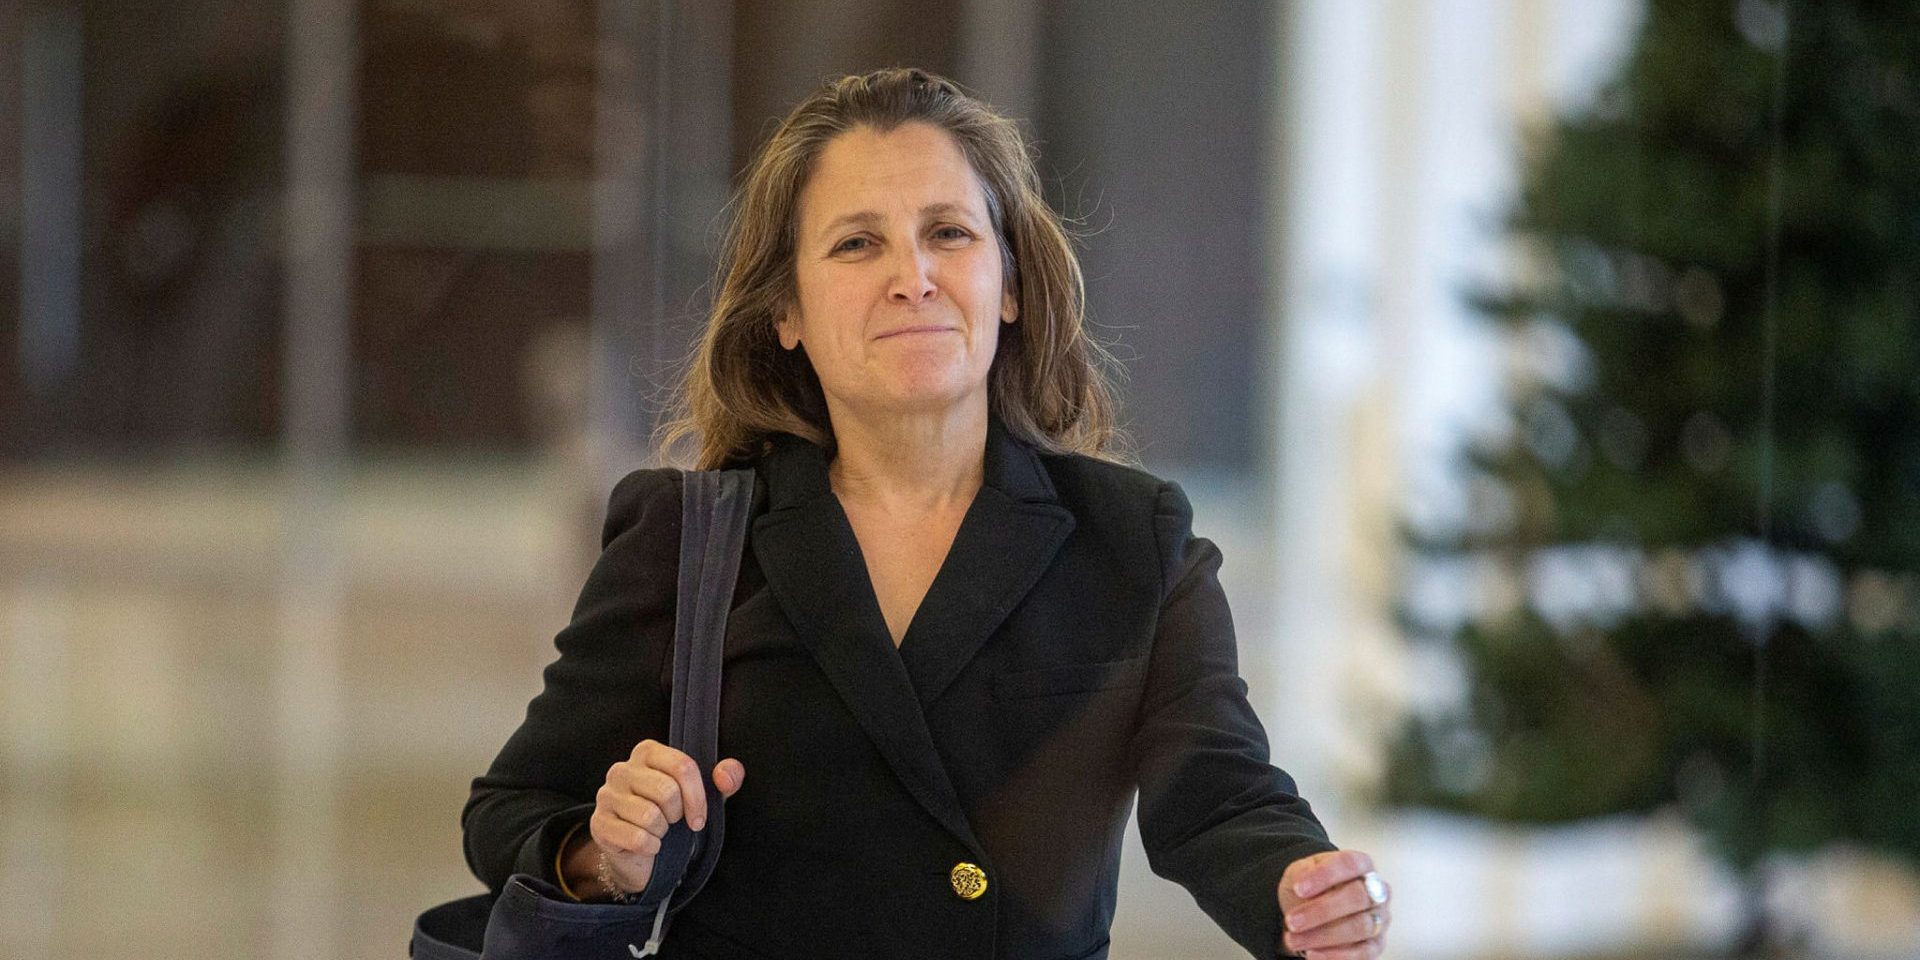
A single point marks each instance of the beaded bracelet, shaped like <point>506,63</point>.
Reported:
<point>604,873</point>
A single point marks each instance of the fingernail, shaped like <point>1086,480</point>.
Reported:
<point>699,822</point>
<point>1300,888</point>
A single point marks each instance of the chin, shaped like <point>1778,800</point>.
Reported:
<point>929,396</point>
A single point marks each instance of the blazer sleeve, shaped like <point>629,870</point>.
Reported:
<point>1215,815</point>
<point>601,696</point>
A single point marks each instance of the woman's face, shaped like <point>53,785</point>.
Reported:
<point>900,293</point>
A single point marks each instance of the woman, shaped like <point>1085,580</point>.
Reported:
<point>962,637</point>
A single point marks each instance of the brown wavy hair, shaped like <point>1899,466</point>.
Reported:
<point>1048,380</point>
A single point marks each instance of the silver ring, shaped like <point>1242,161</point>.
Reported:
<point>1376,887</point>
<point>1373,928</point>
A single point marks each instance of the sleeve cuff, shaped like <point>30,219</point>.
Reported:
<point>540,852</point>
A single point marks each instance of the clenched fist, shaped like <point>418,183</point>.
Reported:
<point>654,787</point>
<point>1334,906</point>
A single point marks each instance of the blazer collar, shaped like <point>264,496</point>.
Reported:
<point>814,566</point>
<point>796,470</point>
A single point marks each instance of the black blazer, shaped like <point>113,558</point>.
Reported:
<point>1076,646</point>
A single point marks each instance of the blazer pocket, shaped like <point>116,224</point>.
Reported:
<point>1072,678</point>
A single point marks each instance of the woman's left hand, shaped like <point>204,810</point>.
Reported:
<point>1334,906</point>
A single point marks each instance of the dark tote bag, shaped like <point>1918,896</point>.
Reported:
<point>532,919</point>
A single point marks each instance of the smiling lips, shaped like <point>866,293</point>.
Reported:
<point>923,328</point>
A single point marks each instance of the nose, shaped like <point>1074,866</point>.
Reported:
<point>912,282</point>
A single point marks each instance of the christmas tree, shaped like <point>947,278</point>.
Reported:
<point>1706,524</point>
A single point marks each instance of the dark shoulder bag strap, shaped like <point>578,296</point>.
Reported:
<point>713,528</point>
<point>525,919</point>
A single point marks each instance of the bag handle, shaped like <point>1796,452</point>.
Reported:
<point>714,508</point>
<point>714,505</point>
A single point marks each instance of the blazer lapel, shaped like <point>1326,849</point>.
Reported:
<point>813,565</point>
<point>1009,535</point>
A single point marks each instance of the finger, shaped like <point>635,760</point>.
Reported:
<point>620,837</point>
<point>1331,871</point>
<point>659,787</point>
<point>637,810</point>
<point>1298,870</point>
<point>1346,931</point>
<point>1360,951</point>
<point>686,773</point>
<point>729,775</point>
<point>1342,901</point>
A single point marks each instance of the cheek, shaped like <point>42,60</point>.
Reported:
<point>990,337</point>
<point>823,316</point>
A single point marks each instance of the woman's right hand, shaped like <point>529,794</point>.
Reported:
<point>654,787</point>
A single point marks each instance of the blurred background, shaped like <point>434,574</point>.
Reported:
<point>1547,370</point>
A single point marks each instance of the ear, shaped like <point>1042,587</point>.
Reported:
<point>788,327</point>
<point>1009,307</point>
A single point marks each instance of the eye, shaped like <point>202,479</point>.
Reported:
<point>850,243</point>
<point>951,232</point>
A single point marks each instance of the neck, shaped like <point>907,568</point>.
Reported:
<point>910,464</point>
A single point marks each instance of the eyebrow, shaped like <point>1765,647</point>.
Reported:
<point>867,218</point>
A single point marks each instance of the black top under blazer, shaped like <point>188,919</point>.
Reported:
<point>1074,648</point>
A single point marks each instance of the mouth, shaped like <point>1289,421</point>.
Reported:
<point>910,331</point>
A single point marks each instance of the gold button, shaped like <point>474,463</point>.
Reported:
<point>969,881</point>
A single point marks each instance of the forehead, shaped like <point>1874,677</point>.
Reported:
<point>907,168</point>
